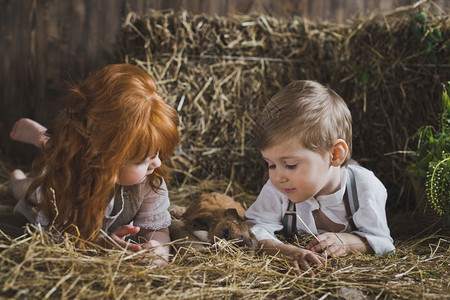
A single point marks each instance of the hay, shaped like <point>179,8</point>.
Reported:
<point>219,73</point>
<point>33,267</point>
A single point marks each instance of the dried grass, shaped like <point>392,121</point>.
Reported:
<point>33,267</point>
<point>219,73</point>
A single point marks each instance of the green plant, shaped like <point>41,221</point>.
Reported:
<point>432,156</point>
<point>428,34</point>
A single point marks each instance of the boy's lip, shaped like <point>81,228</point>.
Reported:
<point>288,191</point>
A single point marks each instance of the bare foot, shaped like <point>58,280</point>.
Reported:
<point>18,183</point>
<point>29,131</point>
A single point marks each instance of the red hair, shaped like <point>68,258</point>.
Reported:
<point>113,117</point>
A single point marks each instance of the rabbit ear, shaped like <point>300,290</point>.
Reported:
<point>202,223</point>
<point>195,197</point>
<point>232,212</point>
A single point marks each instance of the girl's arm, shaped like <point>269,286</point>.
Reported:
<point>158,240</point>
<point>147,238</point>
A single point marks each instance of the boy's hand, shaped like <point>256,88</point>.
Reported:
<point>338,244</point>
<point>304,260</point>
<point>301,259</point>
<point>329,243</point>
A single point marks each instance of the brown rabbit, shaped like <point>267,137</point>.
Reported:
<point>233,227</point>
<point>214,215</point>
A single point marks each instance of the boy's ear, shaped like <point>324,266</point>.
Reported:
<point>339,153</point>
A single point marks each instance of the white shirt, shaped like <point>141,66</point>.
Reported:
<point>265,215</point>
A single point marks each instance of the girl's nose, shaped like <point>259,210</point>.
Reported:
<point>155,163</point>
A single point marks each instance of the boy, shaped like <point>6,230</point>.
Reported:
<point>305,135</point>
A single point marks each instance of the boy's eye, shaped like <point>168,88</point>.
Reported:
<point>290,167</point>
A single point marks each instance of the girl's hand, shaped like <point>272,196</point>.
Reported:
<point>159,255</point>
<point>118,238</point>
<point>160,251</point>
<point>157,241</point>
<point>338,244</point>
<point>304,260</point>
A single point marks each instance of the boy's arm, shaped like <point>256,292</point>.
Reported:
<point>301,258</point>
<point>370,218</point>
<point>264,216</point>
<point>339,244</point>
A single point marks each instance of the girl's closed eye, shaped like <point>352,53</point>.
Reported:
<point>143,162</point>
<point>154,156</point>
<point>147,160</point>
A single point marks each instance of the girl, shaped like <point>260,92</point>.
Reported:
<point>101,166</point>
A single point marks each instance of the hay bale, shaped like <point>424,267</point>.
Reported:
<point>211,70</point>
<point>219,73</point>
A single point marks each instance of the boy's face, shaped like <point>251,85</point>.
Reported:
<point>300,173</point>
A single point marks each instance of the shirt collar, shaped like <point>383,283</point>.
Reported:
<point>338,196</point>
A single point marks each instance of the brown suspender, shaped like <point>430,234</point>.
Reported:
<point>349,211</point>
<point>290,217</point>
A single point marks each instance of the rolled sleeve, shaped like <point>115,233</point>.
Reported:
<point>370,219</point>
<point>35,218</point>
<point>265,214</point>
<point>153,213</point>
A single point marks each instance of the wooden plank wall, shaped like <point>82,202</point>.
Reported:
<point>45,43</point>
<point>318,10</point>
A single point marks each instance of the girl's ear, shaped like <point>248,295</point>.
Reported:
<point>339,153</point>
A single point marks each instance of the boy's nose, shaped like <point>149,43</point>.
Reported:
<point>279,177</point>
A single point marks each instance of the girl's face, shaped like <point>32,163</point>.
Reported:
<point>300,173</point>
<point>135,172</point>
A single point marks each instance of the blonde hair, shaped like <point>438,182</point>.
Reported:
<point>113,117</point>
<point>309,112</point>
